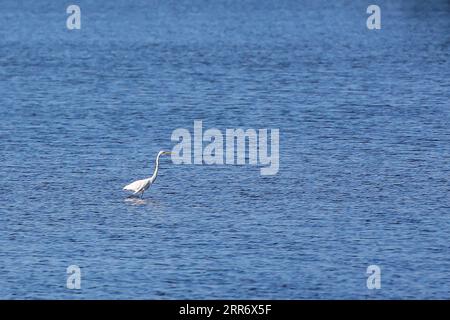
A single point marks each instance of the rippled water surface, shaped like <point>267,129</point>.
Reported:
<point>364,120</point>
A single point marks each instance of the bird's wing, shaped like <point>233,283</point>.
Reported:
<point>135,186</point>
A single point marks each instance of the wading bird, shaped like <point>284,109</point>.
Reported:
<point>140,186</point>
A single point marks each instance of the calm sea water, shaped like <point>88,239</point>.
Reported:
<point>364,119</point>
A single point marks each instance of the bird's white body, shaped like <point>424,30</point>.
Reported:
<point>139,186</point>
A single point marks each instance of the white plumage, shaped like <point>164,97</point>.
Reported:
<point>139,186</point>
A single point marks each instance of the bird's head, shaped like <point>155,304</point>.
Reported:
<point>162,152</point>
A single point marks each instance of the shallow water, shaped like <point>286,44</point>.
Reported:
<point>364,149</point>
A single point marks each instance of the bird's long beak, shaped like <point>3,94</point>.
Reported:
<point>169,152</point>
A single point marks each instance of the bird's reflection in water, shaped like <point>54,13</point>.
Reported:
<point>138,201</point>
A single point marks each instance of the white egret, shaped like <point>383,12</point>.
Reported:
<point>140,186</point>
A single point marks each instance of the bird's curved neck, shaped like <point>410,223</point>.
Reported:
<point>155,172</point>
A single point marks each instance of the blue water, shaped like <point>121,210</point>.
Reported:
<point>364,120</point>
